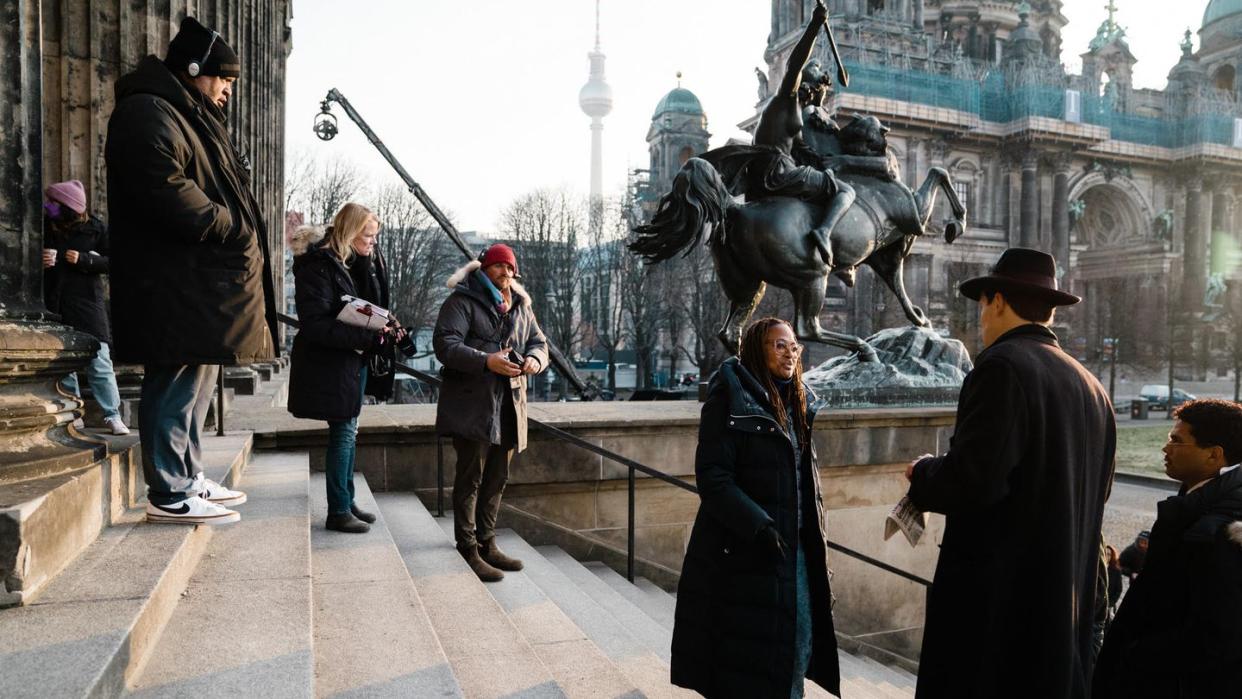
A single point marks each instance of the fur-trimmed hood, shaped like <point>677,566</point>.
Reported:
<point>463,274</point>
<point>304,238</point>
<point>1234,531</point>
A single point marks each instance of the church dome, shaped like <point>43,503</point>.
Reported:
<point>678,100</point>
<point>1219,9</point>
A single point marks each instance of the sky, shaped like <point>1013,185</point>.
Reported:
<point>478,99</point>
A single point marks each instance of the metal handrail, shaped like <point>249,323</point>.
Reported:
<point>632,467</point>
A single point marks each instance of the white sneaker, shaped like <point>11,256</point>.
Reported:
<point>117,425</point>
<point>193,510</point>
<point>214,492</point>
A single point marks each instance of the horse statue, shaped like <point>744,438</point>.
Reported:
<point>756,243</point>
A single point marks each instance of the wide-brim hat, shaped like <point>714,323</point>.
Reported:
<point>1031,272</point>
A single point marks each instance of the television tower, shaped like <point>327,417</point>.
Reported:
<point>595,98</point>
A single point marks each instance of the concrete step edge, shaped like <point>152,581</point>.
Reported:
<point>366,571</point>
<point>487,652</point>
<point>246,611</point>
<point>642,627</point>
<point>580,667</point>
<point>642,666</point>
<point>661,614</point>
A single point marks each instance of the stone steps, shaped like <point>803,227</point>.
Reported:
<point>580,668</point>
<point>489,656</point>
<point>638,663</point>
<point>246,611</point>
<point>372,634</point>
<point>96,623</point>
<point>277,606</point>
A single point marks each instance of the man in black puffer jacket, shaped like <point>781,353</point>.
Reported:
<point>1179,630</point>
<point>191,281</point>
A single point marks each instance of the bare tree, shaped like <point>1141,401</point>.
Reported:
<point>604,313</point>
<point>419,255</point>
<point>547,227</point>
<point>704,306</point>
<point>320,188</point>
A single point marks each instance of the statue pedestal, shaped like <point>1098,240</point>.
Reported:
<point>917,367</point>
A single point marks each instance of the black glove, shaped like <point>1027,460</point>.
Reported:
<point>770,540</point>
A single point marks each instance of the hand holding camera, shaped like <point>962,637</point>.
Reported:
<point>502,362</point>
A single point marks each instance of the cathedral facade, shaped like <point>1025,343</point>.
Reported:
<point>1133,190</point>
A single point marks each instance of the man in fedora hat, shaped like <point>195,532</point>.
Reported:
<point>1022,488</point>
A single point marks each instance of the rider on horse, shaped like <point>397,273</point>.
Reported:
<point>781,163</point>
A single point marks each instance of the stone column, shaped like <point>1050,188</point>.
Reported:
<point>1060,213</point>
<point>1194,253</point>
<point>35,351</point>
<point>918,16</point>
<point>1029,213</point>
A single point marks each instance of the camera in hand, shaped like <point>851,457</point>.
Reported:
<point>406,343</point>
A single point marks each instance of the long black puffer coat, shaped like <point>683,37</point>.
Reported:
<point>191,279</point>
<point>734,629</point>
<point>328,355</point>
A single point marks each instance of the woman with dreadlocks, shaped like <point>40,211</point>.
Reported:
<point>754,606</point>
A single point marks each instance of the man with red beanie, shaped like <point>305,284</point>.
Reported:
<point>488,340</point>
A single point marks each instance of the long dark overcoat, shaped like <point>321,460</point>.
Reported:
<point>1023,487</point>
<point>467,330</point>
<point>324,375</point>
<point>191,280</point>
<point>734,629</point>
<point>1179,630</point>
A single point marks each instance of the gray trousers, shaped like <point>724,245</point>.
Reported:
<point>482,471</point>
<point>174,407</point>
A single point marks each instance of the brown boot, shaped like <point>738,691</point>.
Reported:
<point>480,567</point>
<point>490,552</point>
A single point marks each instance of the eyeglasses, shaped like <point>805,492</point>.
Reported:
<point>788,347</point>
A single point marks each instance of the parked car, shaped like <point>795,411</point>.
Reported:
<point>1157,396</point>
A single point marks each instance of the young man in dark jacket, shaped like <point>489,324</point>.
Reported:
<point>489,341</point>
<point>75,260</point>
<point>191,282</point>
<point>1022,488</point>
<point>1179,630</point>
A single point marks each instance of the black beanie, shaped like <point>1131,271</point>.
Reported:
<point>192,43</point>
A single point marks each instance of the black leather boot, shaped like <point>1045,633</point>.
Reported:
<point>490,552</point>
<point>362,514</point>
<point>347,523</point>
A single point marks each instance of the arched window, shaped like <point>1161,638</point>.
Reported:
<point>1104,83</point>
<point>1225,78</point>
<point>685,154</point>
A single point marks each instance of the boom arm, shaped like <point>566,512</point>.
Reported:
<point>328,131</point>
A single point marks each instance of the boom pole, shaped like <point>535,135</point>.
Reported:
<point>325,128</point>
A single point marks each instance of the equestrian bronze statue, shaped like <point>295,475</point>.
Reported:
<point>808,199</point>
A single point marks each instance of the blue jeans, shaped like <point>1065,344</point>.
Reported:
<point>339,461</point>
<point>170,426</point>
<point>802,626</point>
<point>102,380</point>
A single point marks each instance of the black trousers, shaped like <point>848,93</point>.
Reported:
<point>482,471</point>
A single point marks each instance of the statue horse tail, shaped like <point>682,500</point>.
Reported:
<point>695,206</point>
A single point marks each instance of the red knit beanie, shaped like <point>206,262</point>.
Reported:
<point>499,253</point>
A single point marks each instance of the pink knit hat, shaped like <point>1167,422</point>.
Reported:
<point>72,194</point>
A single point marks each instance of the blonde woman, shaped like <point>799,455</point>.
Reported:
<point>329,372</point>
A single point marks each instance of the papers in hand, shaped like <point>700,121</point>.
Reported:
<point>362,314</point>
<point>907,518</point>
